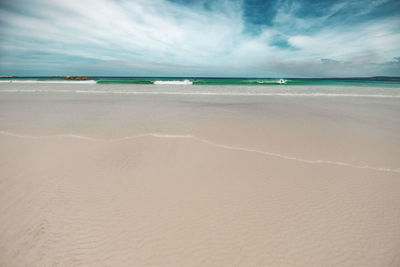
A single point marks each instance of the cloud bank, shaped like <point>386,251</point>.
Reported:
<point>201,38</point>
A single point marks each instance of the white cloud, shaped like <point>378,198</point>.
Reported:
<point>160,35</point>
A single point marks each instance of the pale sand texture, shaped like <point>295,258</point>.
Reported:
<point>237,182</point>
<point>177,202</point>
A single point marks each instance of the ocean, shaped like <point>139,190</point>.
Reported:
<point>333,87</point>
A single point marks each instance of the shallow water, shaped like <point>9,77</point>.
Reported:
<point>88,87</point>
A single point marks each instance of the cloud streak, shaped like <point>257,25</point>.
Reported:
<point>216,38</point>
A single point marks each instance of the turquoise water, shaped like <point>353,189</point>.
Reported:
<point>294,87</point>
<point>373,81</point>
<point>253,81</point>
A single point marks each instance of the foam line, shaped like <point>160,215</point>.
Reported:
<point>197,93</point>
<point>208,142</point>
<point>185,82</point>
<point>308,161</point>
<point>76,136</point>
<point>237,94</point>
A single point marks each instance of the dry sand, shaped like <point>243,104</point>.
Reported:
<point>157,200</point>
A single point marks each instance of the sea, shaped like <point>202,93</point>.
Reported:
<point>296,87</point>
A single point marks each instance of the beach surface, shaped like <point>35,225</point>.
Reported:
<point>139,179</point>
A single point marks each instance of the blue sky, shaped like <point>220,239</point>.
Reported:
<point>280,38</point>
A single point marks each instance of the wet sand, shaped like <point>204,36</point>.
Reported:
<point>189,181</point>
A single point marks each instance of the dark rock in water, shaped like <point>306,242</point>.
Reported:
<point>76,78</point>
<point>8,76</point>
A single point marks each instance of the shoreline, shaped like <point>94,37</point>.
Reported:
<point>208,142</point>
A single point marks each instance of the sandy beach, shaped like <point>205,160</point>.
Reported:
<point>223,133</point>
<point>160,180</point>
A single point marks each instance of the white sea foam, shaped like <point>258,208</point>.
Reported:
<point>170,135</point>
<point>185,82</point>
<point>199,93</point>
<point>208,142</point>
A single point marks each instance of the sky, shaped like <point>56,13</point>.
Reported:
<point>238,38</point>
